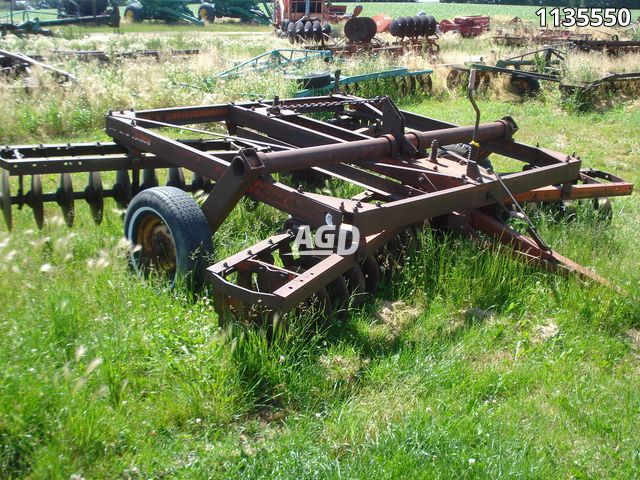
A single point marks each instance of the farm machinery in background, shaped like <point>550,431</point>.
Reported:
<point>360,35</point>
<point>525,72</point>
<point>288,14</point>
<point>542,36</point>
<point>179,11</point>
<point>612,47</point>
<point>403,171</point>
<point>170,11</point>
<point>467,27</point>
<point>288,62</point>
<point>583,42</point>
<point>19,64</point>
<point>69,12</point>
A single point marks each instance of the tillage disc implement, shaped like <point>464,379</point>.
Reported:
<point>404,171</point>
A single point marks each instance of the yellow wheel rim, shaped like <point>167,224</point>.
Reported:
<point>158,249</point>
<point>129,16</point>
<point>204,15</point>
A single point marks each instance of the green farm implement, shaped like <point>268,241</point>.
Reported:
<point>404,81</point>
<point>289,61</point>
<point>526,71</point>
<point>281,58</point>
<point>80,12</point>
<point>178,11</point>
<point>171,11</point>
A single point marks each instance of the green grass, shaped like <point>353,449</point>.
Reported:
<point>484,368</point>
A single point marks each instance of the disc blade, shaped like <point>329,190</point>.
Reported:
<point>35,200</point>
<point>5,199</point>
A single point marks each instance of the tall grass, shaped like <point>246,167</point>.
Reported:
<point>469,364</point>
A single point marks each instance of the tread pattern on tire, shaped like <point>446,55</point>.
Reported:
<point>187,223</point>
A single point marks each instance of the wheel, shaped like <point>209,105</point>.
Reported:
<point>134,14</point>
<point>207,13</point>
<point>523,86</point>
<point>171,235</point>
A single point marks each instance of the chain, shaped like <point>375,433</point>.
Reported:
<point>319,105</point>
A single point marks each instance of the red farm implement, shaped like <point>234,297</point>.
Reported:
<point>405,171</point>
<point>470,26</point>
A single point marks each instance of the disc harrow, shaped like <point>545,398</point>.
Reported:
<point>404,172</point>
<point>411,34</point>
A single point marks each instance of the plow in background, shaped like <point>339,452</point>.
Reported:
<point>406,171</point>
<point>524,73</point>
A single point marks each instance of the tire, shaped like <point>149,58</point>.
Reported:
<point>173,234</point>
<point>523,86</point>
<point>207,13</point>
<point>134,14</point>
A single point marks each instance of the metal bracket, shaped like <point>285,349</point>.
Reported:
<point>393,124</point>
<point>231,187</point>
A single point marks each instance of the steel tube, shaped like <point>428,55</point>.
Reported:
<point>286,161</point>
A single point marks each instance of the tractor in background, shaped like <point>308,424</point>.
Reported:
<point>179,11</point>
<point>171,11</point>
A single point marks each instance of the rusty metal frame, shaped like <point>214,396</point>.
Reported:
<point>394,157</point>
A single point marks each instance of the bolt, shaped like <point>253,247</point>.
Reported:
<point>434,151</point>
<point>359,204</point>
<point>270,241</point>
<point>300,189</point>
<point>435,168</point>
<point>342,206</point>
<point>378,204</point>
<point>249,252</point>
<point>225,265</point>
<point>463,176</point>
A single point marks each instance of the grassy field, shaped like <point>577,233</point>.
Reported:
<point>468,365</point>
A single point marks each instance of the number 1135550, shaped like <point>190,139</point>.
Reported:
<point>584,17</point>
